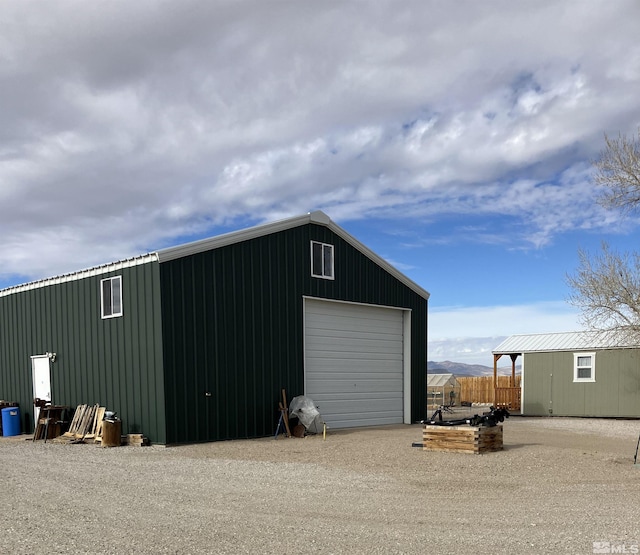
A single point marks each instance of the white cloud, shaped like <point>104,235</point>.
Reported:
<point>128,126</point>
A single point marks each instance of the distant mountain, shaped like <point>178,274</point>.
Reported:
<point>461,369</point>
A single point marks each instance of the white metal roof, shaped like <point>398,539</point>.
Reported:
<point>210,243</point>
<point>438,380</point>
<point>171,253</point>
<point>564,341</point>
<point>95,271</point>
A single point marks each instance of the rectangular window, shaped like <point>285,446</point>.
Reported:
<point>584,367</point>
<point>321,260</point>
<point>111,297</point>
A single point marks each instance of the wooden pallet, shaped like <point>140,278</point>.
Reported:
<point>96,425</point>
<point>84,425</point>
<point>462,439</point>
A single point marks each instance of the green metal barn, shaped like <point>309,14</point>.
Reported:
<point>577,373</point>
<point>195,342</point>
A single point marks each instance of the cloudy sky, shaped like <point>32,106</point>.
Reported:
<point>455,139</point>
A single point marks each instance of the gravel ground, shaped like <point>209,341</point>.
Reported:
<point>559,486</point>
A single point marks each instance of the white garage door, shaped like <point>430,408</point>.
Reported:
<point>354,369</point>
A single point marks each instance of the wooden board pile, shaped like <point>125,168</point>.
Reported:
<point>462,439</point>
<point>86,425</point>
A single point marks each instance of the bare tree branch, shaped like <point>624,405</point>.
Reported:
<point>606,287</point>
<point>618,172</point>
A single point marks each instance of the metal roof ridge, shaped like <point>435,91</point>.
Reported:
<point>378,259</point>
<point>562,341</point>
<point>217,241</point>
<point>80,274</point>
<point>316,217</point>
<point>209,243</point>
<point>550,333</point>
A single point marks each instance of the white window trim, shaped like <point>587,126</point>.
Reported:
<point>333,268</point>
<point>102,308</point>
<point>592,378</point>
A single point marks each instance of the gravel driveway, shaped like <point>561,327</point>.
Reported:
<point>559,486</point>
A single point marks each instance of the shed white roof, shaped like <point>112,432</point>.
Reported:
<point>564,341</point>
<point>438,380</point>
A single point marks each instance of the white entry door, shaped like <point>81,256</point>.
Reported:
<point>41,373</point>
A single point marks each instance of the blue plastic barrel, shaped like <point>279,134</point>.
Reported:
<point>11,421</point>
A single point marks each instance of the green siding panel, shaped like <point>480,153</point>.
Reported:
<point>115,362</point>
<point>548,384</point>
<point>233,329</point>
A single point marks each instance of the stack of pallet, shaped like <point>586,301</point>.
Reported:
<point>462,439</point>
<point>85,427</point>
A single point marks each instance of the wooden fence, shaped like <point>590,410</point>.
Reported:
<point>480,389</point>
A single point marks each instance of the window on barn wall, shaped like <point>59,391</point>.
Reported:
<point>111,289</point>
<point>322,260</point>
<point>584,367</point>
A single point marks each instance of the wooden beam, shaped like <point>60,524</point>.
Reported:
<point>513,356</point>
<point>495,378</point>
<point>285,412</point>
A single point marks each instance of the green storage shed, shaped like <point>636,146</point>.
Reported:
<point>195,342</point>
<point>589,373</point>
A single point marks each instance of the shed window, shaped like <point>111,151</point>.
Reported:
<point>111,296</point>
<point>584,367</point>
<point>321,260</point>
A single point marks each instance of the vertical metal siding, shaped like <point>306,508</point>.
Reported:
<point>223,334</point>
<point>115,362</point>
<point>536,385</point>
<point>615,393</point>
<point>232,326</point>
<point>629,383</point>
